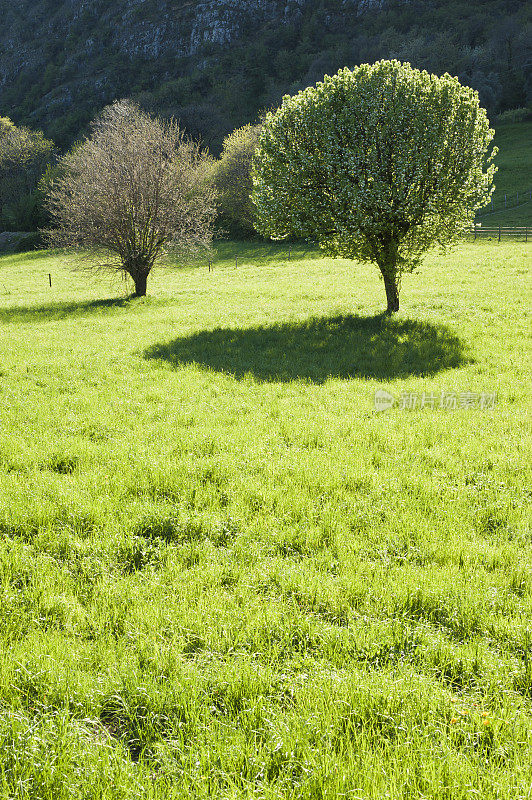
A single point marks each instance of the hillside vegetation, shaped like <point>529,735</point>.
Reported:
<point>215,66</point>
<point>223,574</point>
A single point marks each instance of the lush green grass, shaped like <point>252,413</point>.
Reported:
<point>514,158</point>
<point>514,162</point>
<point>223,574</point>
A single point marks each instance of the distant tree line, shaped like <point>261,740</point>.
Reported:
<point>30,163</point>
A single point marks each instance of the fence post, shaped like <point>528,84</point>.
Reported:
<point>236,262</point>
<point>474,232</point>
<point>499,233</point>
<point>50,280</point>
<point>505,201</point>
<point>526,234</point>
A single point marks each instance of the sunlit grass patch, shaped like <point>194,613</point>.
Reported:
<point>223,573</point>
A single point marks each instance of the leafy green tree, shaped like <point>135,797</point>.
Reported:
<point>24,157</point>
<point>376,164</point>
<point>233,178</point>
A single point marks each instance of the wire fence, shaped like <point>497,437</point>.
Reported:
<point>503,201</point>
<point>500,232</point>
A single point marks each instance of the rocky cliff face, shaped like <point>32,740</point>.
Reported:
<point>32,29</point>
<point>134,28</point>
<point>59,56</point>
<point>64,46</point>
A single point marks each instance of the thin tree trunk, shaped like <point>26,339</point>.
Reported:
<point>392,294</point>
<point>141,280</point>
<point>388,265</point>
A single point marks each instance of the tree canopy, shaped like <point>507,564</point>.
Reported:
<point>24,156</point>
<point>135,188</point>
<point>233,179</point>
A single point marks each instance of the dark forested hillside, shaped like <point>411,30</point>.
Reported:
<point>216,64</point>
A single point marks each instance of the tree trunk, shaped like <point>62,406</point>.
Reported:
<point>141,280</point>
<point>392,294</point>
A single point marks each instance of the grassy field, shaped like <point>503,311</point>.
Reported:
<point>223,573</point>
<point>514,161</point>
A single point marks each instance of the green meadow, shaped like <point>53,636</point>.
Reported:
<point>223,574</point>
<point>514,176</point>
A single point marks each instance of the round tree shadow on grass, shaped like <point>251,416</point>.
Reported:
<point>320,348</point>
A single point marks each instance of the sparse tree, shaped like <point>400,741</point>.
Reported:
<point>133,190</point>
<point>376,164</point>
<point>233,178</point>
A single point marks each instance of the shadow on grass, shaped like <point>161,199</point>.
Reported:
<point>320,348</point>
<point>29,255</point>
<point>59,310</point>
<point>250,252</point>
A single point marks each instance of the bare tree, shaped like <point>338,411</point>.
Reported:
<point>133,190</point>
